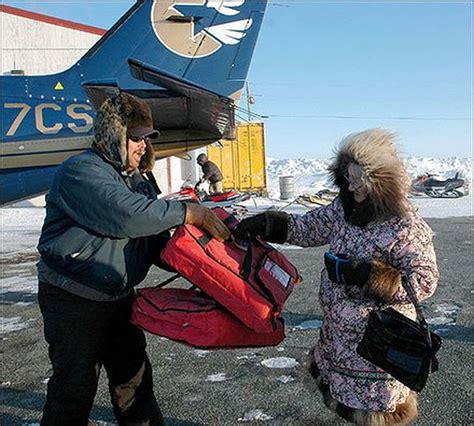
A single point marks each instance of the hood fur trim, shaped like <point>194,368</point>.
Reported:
<point>383,172</point>
<point>114,118</point>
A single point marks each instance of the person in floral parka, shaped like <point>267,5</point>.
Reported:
<point>373,224</point>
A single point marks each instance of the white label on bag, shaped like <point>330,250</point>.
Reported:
<point>277,272</point>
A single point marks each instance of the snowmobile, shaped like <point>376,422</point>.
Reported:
<point>321,198</point>
<point>196,195</point>
<point>430,185</point>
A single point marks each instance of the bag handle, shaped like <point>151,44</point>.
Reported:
<point>167,281</point>
<point>171,279</point>
<point>419,315</point>
<point>245,272</point>
<point>247,263</point>
<point>413,299</point>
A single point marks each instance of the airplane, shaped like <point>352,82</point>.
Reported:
<point>187,59</point>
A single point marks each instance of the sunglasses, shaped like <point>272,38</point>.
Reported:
<point>137,139</point>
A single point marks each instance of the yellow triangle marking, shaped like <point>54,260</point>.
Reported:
<point>59,86</point>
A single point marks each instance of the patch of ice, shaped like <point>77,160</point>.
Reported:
<point>46,380</point>
<point>447,311</point>
<point>255,415</point>
<point>249,356</point>
<point>279,349</point>
<point>440,321</point>
<point>285,379</point>
<point>23,303</point>
<point>280,362</point>
<point>8,325</point>
<point>201,353</point>
<point>219,377</point>
<point>309,325</point>
<point>20,284</point>
<point>286,247</point>
<point>447,308</point>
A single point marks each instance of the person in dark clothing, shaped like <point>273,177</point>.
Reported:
<point>211,174</point>
<point>103,230</point>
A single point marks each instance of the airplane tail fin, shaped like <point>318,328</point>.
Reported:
<point>208,42</point>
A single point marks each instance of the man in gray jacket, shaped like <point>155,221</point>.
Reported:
<point>103,230</point>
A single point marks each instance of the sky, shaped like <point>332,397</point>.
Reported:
<point>324,69</point>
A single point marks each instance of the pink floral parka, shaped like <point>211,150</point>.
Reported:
<point>406,244</point>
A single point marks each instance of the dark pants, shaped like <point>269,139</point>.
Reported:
<point>83,336</point>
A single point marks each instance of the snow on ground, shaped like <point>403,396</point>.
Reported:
<point>280,362</point>
<point>219,377</point>
<point>254,416</point>
<point>7,325</point>
<point>446,314</point>
<point>201,353</point>
<point>20,228</point>
<point>308,325</point>
<point>285,379</point>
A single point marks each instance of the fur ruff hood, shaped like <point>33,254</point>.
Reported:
<point>384,175</point>
<point>114,118</point>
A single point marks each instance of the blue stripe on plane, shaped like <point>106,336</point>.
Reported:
<point>56,151</point>
<point>18,184</point>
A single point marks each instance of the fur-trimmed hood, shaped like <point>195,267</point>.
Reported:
<point>114,118</point>
<point>384,175</point>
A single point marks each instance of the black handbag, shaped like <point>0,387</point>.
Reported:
<point>403,348</point>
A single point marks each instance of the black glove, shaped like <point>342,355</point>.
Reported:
<point>271,226</point>
<point>344,270</point>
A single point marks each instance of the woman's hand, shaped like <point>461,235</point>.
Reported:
<point>271,226</point>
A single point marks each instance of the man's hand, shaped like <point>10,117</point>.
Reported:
<point>206,219</point>
<point>270,226</point>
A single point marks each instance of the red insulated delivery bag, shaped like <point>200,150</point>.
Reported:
<point>251,279</point>
<point>193,318</point>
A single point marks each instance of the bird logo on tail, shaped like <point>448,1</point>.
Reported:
<point>204,25</point>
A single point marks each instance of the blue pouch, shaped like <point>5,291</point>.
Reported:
<point>334,265</point>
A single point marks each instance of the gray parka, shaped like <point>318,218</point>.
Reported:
<point>98,238</point>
